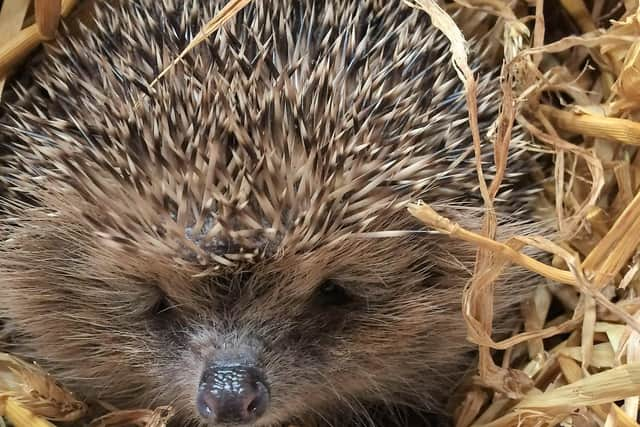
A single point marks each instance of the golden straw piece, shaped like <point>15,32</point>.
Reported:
<point>37,391</point>
<point>20,416</point>
<point>620,130</point>
<point>12,16</point>
<point>604,387</point>
<point>430,217</point>
<point>48,13</point>
<point>146,417</point>
<point>621,418</point>
<point>614,250</point>
<point>18,47</point>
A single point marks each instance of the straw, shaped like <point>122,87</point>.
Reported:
<point>12,16</point>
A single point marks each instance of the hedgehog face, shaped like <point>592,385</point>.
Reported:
<point>332,329</point>
<point>297,334</point>
<point>260,343</point>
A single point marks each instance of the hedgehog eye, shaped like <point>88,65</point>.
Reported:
<point>163,308</point>
<point>331,293</point>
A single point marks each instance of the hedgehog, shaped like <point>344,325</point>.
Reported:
<point>234,240</point>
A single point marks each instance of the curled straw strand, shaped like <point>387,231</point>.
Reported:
<point>478,298</point>
<point>574,277</point>
<point>427,215</point>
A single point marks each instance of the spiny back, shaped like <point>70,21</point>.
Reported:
<point>297,124</point>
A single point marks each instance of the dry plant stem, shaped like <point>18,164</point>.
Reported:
<point>447,26</point>
<point>474,401</point>
<point>505,122</point>
<point>228,12</point>
<point>538,31</point>
<point>593,163</point>
<point>559,176</point>
<point>496,407</point>
<point>631,404</point>
<point>575,277</point>
<point>36,391</point>
<point>602,355</point>
<point>480,308</point>
<point>430,217</point>
<point>519,419</point>
<point>48,13</point>
<point>606,260</point>
<point>588,330</point>
<point>494,7</point>
<point>17,48</point>
<point>584,285</point>
<point>20,416</point>
<point>67,6</point>
<point>620,130</point>
<point>578,10</point>
<point>601,388</point>
<point>12,16</point>
<point>143,417</point>
<point>572,373</point>
<point>608,252</point>
<point>536,312</point>
<point>620,418</point>
<point>627,88</point>
<point>580,14</point>
<point>616,248</point>
<point>507,252</point>
<point>589,40</point>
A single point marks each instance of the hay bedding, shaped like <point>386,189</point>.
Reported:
<point>571,78</point>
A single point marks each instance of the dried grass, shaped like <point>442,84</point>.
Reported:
<point>141,417</point>
<point>18,45</point>
<point>579,97</point>
<point>583,378</point>
<point>28,396</point>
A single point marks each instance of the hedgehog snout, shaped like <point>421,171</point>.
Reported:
<point>232,390</point>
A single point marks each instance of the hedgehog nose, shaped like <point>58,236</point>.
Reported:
<point>232,394</point>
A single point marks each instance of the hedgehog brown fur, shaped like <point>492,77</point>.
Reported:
<point>250,208</point>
